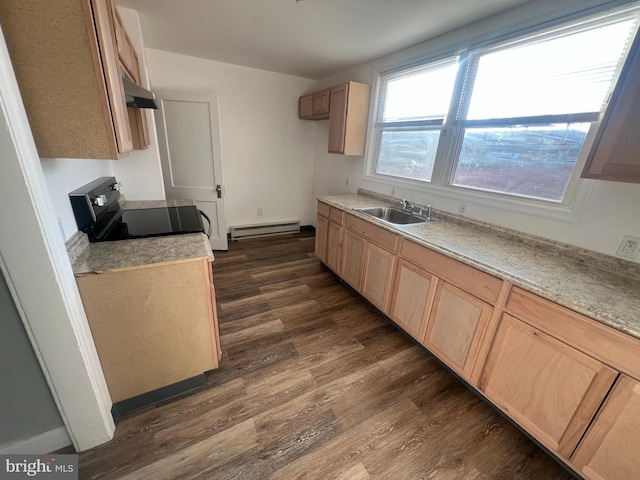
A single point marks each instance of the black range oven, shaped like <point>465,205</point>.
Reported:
<point>96,207</point>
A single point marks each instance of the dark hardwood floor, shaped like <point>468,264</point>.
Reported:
<point>314,383</point>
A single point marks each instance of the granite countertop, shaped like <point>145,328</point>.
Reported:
<point>603,288</point>
<point>88,257</point>
<point>102,256</point>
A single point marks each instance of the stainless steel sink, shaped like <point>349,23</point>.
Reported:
<point>392,215</point>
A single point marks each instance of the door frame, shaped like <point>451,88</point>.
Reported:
<point>38,272</point>
<point>216,146</point>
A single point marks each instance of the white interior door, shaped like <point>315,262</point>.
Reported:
<point>189,141</point>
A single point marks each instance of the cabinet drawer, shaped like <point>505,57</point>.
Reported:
<point>372,233</point>
<point>611,346</point>
<point>336,216</point>
<point>478,283</point>
<point>323,209</point>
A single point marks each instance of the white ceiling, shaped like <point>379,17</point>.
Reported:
<point>307,38</point>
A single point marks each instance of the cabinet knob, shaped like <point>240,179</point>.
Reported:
<point>99,201</point>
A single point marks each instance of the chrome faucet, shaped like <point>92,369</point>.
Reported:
<point>406,205</point>
<point>428,207</point>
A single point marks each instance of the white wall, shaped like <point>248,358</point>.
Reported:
<point>64,175</point>
<point>140,172</point>
<point>267,152</point>
<point>612,209</point>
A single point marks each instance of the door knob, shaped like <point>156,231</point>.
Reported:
<point>219,190</point>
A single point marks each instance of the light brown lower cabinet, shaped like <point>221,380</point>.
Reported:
<point>455,327</point>
<point>157,326</point>
<point>611,448</point>
<point>334,242</point>
<point>353,247</point>
<point>368,257</point>
<point>551,389</point>
<point>368,268</point>
<point>569,381</point>
<point>328,247</point>
<point>378,271</point>
<point>412,298</point>
<point>322,230</point>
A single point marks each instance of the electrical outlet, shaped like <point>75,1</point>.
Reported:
<point>393,192</point>
<point>629,247</point>
<point>462,208</point>
<point>259,211</point>
<point>348,182</point>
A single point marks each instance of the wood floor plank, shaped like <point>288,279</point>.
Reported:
<point>357,472</point>
<point>251,333</point>
<point>377,437</point>
<point>287,311</point>
<point>191,461</point>
<point>262,298</point>
<point>314,383</point>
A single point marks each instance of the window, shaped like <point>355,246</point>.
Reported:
<point>413,107</point>
<point>518,113</point>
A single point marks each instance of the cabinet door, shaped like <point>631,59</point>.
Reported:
<point>353,259</point>
<point>334,246</point>
<point>322,227</point>
<point>614,152</point>
<point>378,269</point>
<point>105,29</point>
<point>305,106</point>
<point>215,326</point>
<point>548,387</point>
<point>611,448</point>
<point>338,118</point>
<point>412,298</point>
<point>321,102</point>
<point>455,327</point>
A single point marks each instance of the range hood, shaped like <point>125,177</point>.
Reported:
<point>137,96</point>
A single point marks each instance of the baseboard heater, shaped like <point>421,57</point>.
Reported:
<point>264,229</point>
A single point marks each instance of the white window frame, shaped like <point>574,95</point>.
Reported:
<point>578,191</point>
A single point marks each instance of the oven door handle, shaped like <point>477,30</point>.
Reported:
<point>208,221</point>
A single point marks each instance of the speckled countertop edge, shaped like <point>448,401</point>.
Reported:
<point>583,281</point>
<point>88,257</point>
<point>142,204</point>
<point>104,256</point>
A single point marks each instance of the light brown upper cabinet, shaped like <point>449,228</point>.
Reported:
<point>314,106</point>
<point>131,68</point>
<point>65,57</point>
<point>347,108</point>
<point>348,118</point>
<point>614,155</point>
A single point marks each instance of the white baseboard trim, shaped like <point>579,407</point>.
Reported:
<point>40,444</point>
